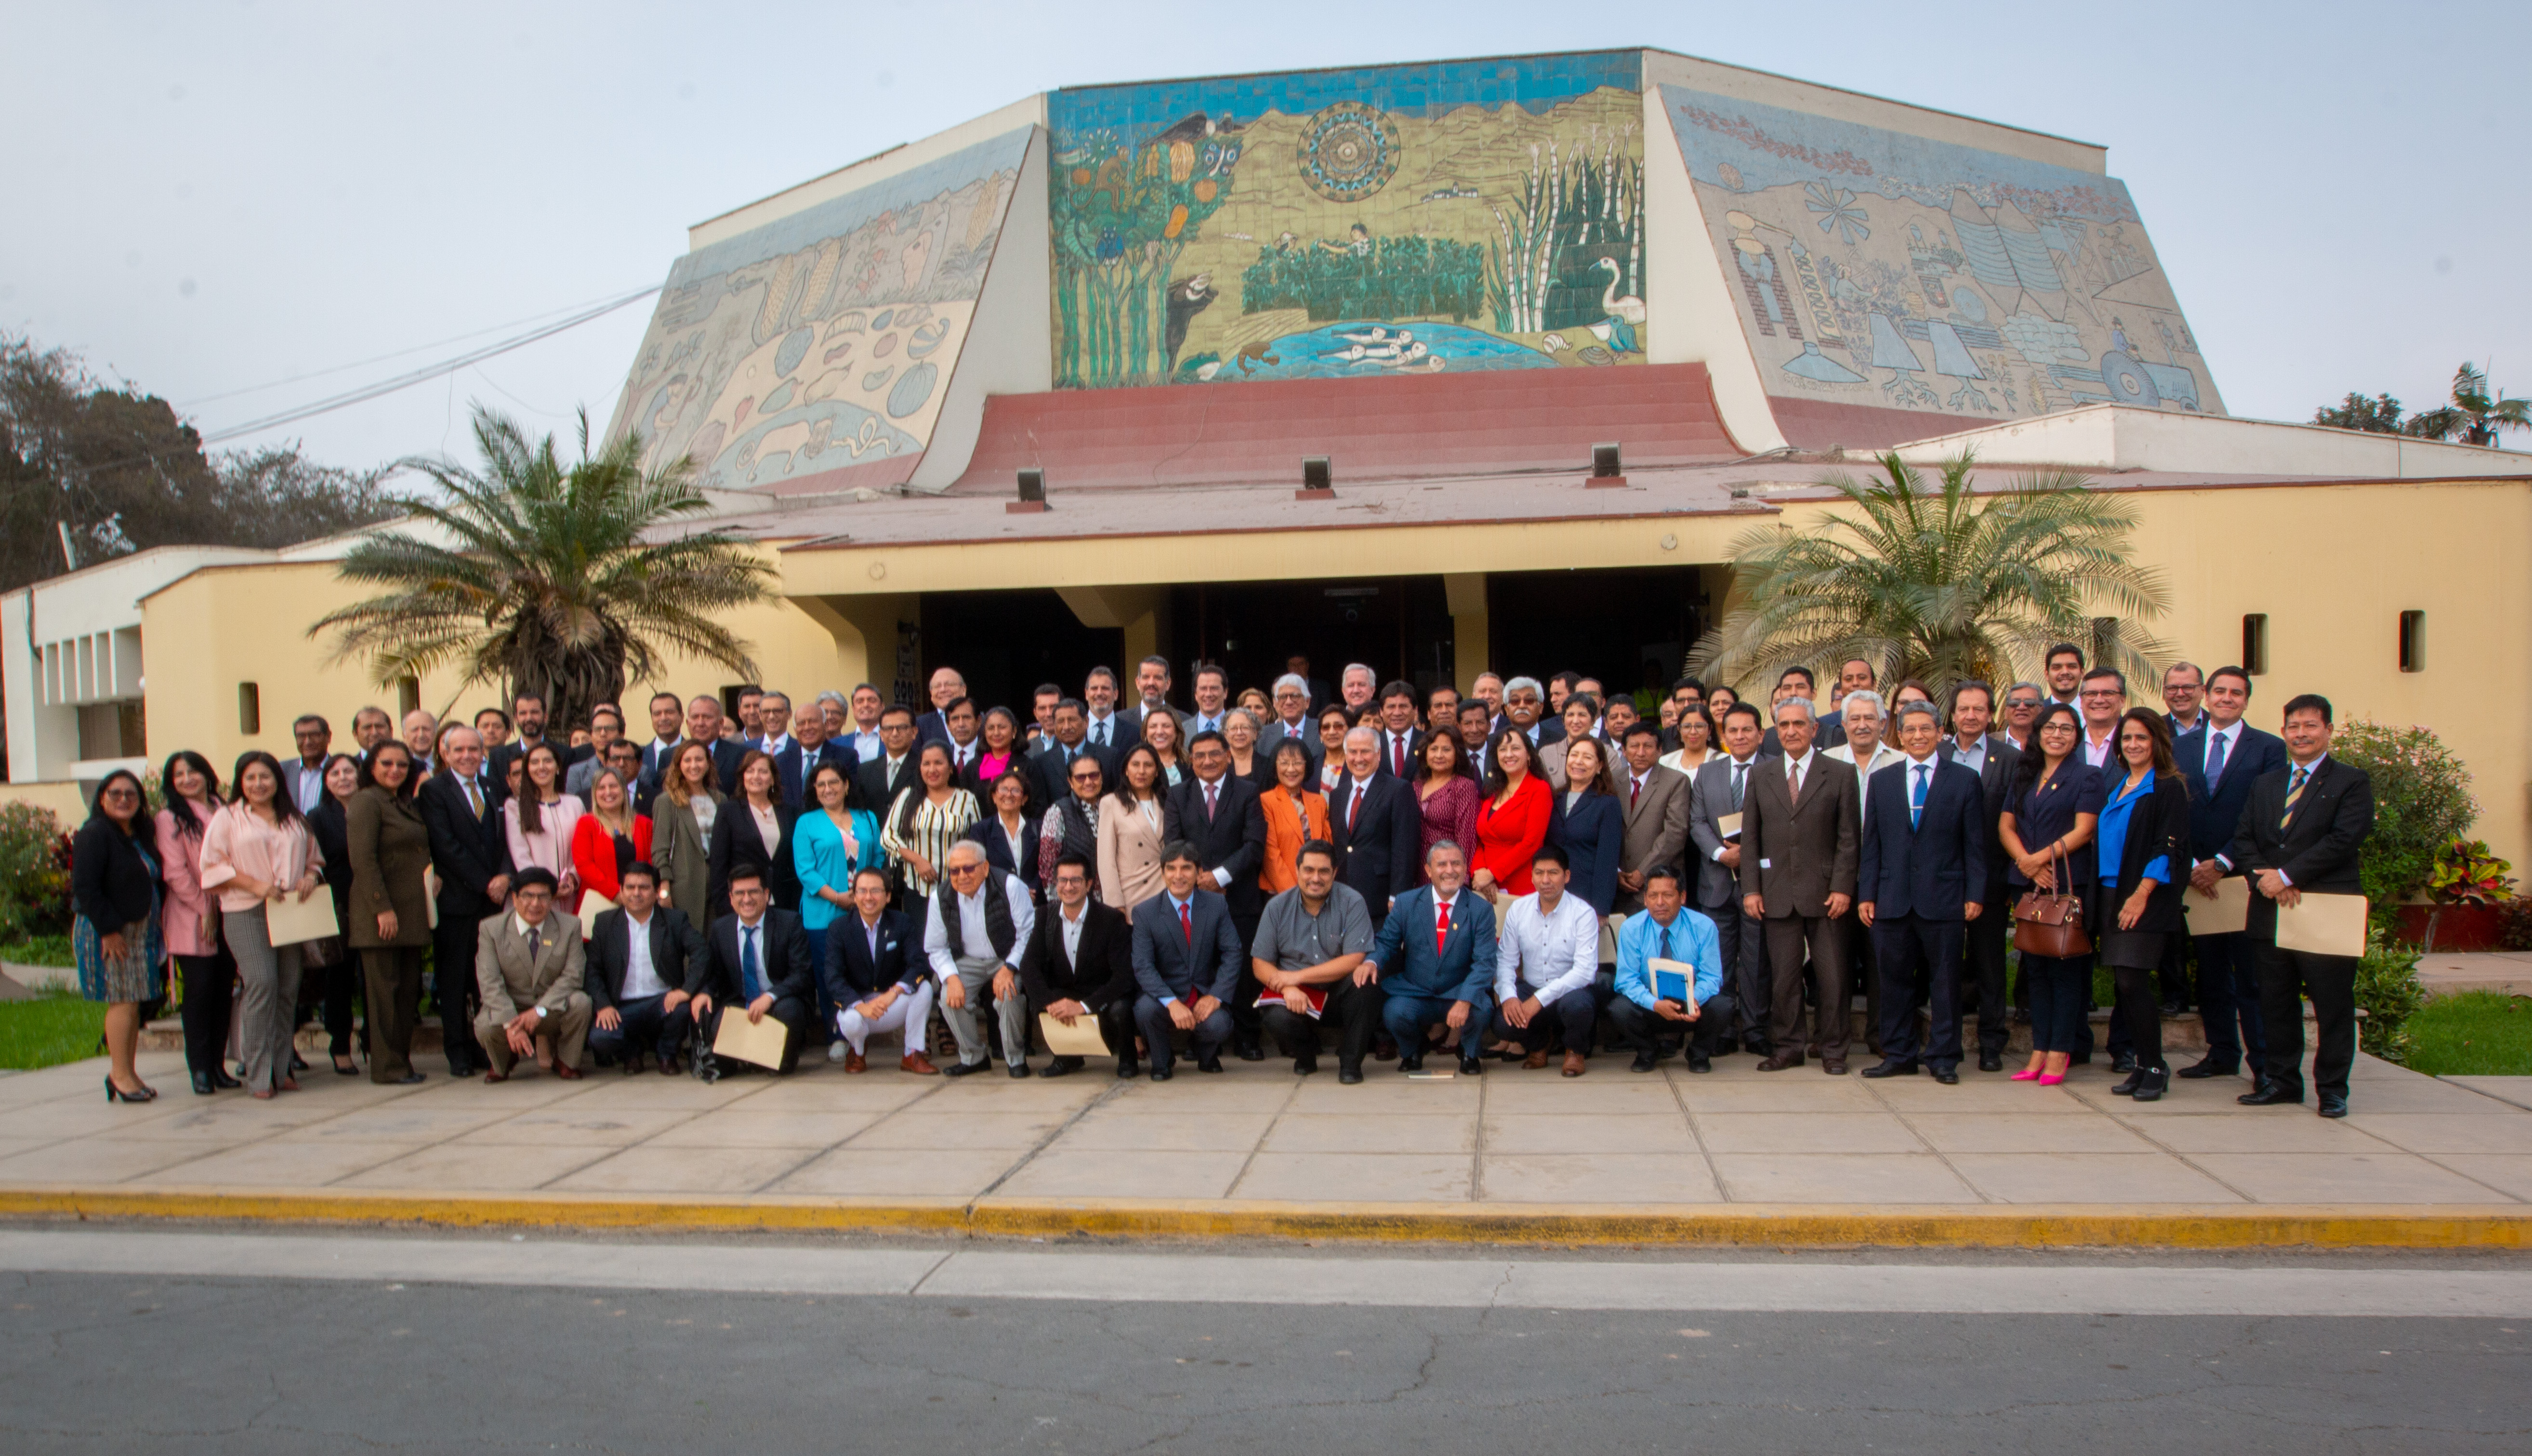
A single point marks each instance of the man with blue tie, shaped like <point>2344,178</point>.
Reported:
<point>1186,961</point>
<point>2221,761</point>
<point>1665,929</point>
<point>1108,731</point>
<point>1435,960</point>
<point>791,761</point>
<point>757,965</point>
<point>1923,861</point>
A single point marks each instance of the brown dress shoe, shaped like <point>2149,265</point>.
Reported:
<point>853,1062</point>
<point>493,1077</point>
<point>1573,1064</point>
<point>668,1066</point>
<point>1781,1061</point>
<point>567,1072</point>
<point>1539,1060</point>
<point>1835,1068</point>
<point>916,1063</point>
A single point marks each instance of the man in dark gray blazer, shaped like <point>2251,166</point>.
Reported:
<point>1992,757</point>
<point>1800,822</point>
<point>1714,821</point>
<point>1919,881</point>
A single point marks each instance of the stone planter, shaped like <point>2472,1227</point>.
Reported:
<point>2453,928</point>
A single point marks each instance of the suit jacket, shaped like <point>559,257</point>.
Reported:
<point>468,852</point>
<point>1170,964</point>
<point>2214,815</point>
<point>1461,969</point>
<point>930,728</point>
<point>853,975</point>
<point>1717,883</point>
<point>1593,833</point>
<point>1995,780</point>
<point>1101,976</point>
<point>727,754</point>
<point>784,947</point>
<point>736,842</point>
<point>1933,867</point>
<point>1657,826</point>
<point>675,944</point>
<point>1798,855</point>
<point>1416,738</point>
<point>1380,853</point>
<point>295,775</point>
<point>655,757</point>
<point>880,788</point>
<point>987,831</point>
<point>2159,824</point>
<point>1233,839</point>
<point>2319,849</point>
<point>510,982</point>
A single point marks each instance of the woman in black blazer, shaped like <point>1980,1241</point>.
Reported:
<point>1010,832</point>
<point>2144,840</point>
<point>338,974</point>
<point>1591,823</point>
<point>114,887</point>
<point>738,838</point>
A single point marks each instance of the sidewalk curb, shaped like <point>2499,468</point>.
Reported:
<point>1752,1225</point>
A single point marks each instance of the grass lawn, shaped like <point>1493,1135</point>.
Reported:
<point>39,950</point>
<point>55,1026</point>
<point>2477,1033</point>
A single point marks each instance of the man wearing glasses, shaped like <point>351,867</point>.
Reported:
<point>2102,699</point>
<point>2022,704</point>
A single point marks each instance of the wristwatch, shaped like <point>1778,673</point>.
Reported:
<point>541,1013</point>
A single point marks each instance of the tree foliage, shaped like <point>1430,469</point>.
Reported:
<point>545,577</point>
<point>2475,415</point>
<point>2380,416</point>
<point>1931,580</point>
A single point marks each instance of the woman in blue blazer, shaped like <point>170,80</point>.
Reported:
<point>1590,824</point>
<point>829,844</point>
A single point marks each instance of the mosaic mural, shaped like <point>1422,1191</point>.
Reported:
<point>822,340</point>
<point>1881,269</point>
<point>1413,219</point>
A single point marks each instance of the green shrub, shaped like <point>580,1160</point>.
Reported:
<point>34,871</point>
<point>2388,992</point>
<point>2422,803</point>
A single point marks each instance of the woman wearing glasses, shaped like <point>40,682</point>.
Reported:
<point>114,883</point>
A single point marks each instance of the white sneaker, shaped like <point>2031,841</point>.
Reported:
<point>836,1050</point>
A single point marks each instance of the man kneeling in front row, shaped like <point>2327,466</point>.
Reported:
<point>1546,965</point>
<point>637,959</point>
<point>1081,963</point>
<point>1309,942</point>
<point>757,966</point>
<point>1435,960</point>
<point>1186,961</point>
<point>1666,931</point>
<point>528,964</point>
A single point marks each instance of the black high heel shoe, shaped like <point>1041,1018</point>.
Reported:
<point>114,1093</point>
<point>354,1070</point>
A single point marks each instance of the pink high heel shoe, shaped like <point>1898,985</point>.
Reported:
<point>2051,1079</point>
<point>2027,1074</point>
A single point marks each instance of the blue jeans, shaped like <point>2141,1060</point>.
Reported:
<point>2058,990</point>
<point>1408,1016</point>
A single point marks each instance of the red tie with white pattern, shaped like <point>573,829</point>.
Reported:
<point>1441,925</point>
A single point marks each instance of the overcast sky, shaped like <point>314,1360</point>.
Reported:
<point>211,196</point>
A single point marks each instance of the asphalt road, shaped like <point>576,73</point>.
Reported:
<point>307,1345</point>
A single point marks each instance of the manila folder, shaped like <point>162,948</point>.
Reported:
<point>592,906</point>
<point>758,1042</point>
<point>1673,981</point>
<point>1081,1039</point>
<point>289,921</point>
<point>2323,925</point>
<point>2225,915</point>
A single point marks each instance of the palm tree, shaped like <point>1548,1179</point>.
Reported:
<point>547,578</point>
<point>1939,583</point>
<point>2475,413</point>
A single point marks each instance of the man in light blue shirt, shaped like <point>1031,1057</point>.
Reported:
<point>1666,930</point>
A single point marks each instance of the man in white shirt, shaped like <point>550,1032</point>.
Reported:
<point>1105,730</point>
<point>862,739</point>
<point>2064,667</point>
<point>1545,966</point>
<point>2101,701</point>
<point>636,975</point>
<point>1865,717</point>
<point>973,930</point>
<point>2183,689</point>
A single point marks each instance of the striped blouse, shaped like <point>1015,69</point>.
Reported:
<point>933,828</point>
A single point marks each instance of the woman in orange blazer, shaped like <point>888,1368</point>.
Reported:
<point>1297,812</point>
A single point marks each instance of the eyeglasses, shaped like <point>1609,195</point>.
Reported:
<point>2101,693</point>
<point>120,794</point>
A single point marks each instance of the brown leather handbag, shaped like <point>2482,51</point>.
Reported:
<point>2051,925</point>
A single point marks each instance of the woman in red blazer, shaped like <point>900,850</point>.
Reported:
<point>609,838</point>
<point>1513,821</point>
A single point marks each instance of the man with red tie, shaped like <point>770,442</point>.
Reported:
<point>1220,814</point>
<point>1187,963</point>
<point>1398,737</point>
<point>1376,824</point>
<point>1435,959</point>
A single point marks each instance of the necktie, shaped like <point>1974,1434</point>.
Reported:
<point>1102,733</point>
<point>1917,800</point>
<point>2214,758</point>
<point>1353,808</point>
<point>750,978</point>
<point>473,798</point>
<point>1187,924</point>
<point>1739,777</point>
<point>1665,942</point>
<point>1634,791</point>
<point>2294,791</point>
<point>1211,793</point>
<point>1398,754</point>
<point>1794,779</point>
<point>1441,925</point>
<point>536,948</point>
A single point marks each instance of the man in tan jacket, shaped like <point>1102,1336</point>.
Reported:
<point>528,964</point>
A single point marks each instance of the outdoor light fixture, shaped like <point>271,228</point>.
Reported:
<point>1314,480</point>
<point>1032,494</point>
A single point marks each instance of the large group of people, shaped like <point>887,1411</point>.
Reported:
<point>1537,871</point>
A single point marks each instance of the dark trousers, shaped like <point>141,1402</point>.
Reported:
<point>2286,978</point>
<point>643,1025</point>
<point>1643,1030</point>
<point>1353,1010</point>
<point>1576,1013</point>
<point>2137,1011</point>
<point>2059,989</point>
<point>1115,1026</point>
<point>791,1011</point>
<point>1152,1018</point>
<point>1920,954</point>
<point>1982,946</point>
<point>453,986</point>
<point>1408,1016</point>
<point>210,987</point>
<point>337,983</point>
<point>1789,938</point>
<point>822,1026</point>
<point>391,984</point>
<point>1248,1017</point>
<point>1744,946</point>
<point>2228,1000</point>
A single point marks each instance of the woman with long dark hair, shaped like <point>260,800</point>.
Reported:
<point>1131,833</point>
<point>190,921</point>
<point>257,851</point>
<point>539,820</point>
<point>1591,824</point>
<point>682,817</point>
<point>2144,852</point>
<point>1447,792</point>
<point>115,939</point>
<point>336,967</point>
<point>389,920</point>
<point>1512,819</point>
<point>2049,811</point>
<point>753,830</point>
<point>928,816</point>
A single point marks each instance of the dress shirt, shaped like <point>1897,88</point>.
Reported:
<point>1798,771</point>
<point>1182,913</point>
<point>1355,788</point>
<point>312,785</point>
<point>1693,939</point>
<point>1636,785</point>
<point>1920,771</point>
<point>971,927</point>
<point>1396,747</point>
<point>1213,796</point>
<point>1291,938</point>
<point>962,755</point>
<point>1199,723</point>
<point>749,937</point>
<point>2172,721</point>
<point>772,748</point>
<point>1073,916</point>
<point>641,978</point>
<point>1883,755</point>
<point>2110,832</point>
<point>1559,948</point>
<point>2099,754</point>
<point>1973,759</point>
<point>1739,767</point>
<point>1104,732</point>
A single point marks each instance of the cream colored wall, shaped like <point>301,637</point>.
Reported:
<point>60,795</point>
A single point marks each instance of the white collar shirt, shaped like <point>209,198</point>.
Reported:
<point>641,976</point>
<point>1557,951</point>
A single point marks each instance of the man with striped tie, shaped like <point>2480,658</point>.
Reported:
<point>2303,832</point>
<point>1919,878</point>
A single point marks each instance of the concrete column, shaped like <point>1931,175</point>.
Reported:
<point>1470,645</point>
<point>1142,613</point>
<point>864,627</point>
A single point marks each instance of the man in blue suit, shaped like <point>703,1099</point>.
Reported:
<point>1186,961</point>
<point>2221,761</point>
<point>1435,959</point>
<point>1924,858</point>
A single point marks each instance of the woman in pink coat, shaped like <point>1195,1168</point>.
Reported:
<point>190,922</point>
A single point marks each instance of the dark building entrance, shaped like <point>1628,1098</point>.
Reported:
<point>1007,642</point>
<point>1397,625</point>
<point>1603,624</point>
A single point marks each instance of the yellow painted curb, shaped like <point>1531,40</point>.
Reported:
<point>1753,1225</point>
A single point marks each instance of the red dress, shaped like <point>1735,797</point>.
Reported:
<point>1509,837</point>
<point>1450,813</point>
<point>593,854</point>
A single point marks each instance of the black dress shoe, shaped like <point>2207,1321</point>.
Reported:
<point>2128,1087</point>
<point>962,1069</point>
<point>2169,1009</point>
<point>1411,1061</point>
<point>1303,1066</point>
<point>413,1078</point>
<point>1893,1069</point>
<point>1473,1066</point>
<point>2267,1094</point>
<point>2124,1063</point>
<point>2207,1067</point>
<point>1019,1070</point>
<point>1161,1073</point>
<point>1698,1061</point>
<point>1644,1061</point>
<point>1128,1066</point>
<point>1990,1061</point>
<point>221,1080</point>
<point>2151,1085</point>
<point>1949,1076</point>
<point>1211,1064</point>
<point>1063,1066</point>
<point>202,1085</point>
<point>1348,1076</point>
<point>2332,1106</point>
<point>1250,1053</point>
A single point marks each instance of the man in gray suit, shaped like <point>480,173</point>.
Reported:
<point>1657,801</point>
<point>1992,757</point>
<point>1721,785</point>
<point>528,964</point>
<point>304,778</point>
<point>1292,720</point>
<point>1799,830</point>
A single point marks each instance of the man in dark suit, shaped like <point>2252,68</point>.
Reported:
<point>703,725</point>
<point>2223,761</point>
<point>757,966</point>
<point>1221,816</point>
<point>2303,833</point>
<point>876,975</point>
<point>1399,739</point>
<point>947,686</point>
<point>1186,964</point>
<point>1378,826</point>
<point>1919,880</point>
<point>1053,756</point>
<point>1799,825</point>
<point>1435,960</point>
<point>528,713</point>
<point>792,758</point>
<point>1992,757</point>
<point>638,954</point>
<point>894,767</point>
<point>1714,821</point>
<point>461,808</point>
<point>668,731</point>
<point>1081,963</point>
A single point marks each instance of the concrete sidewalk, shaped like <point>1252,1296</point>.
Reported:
<point>1791,1156</point>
